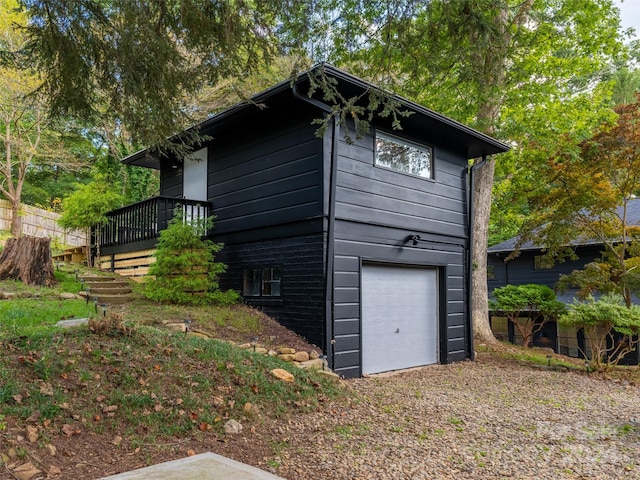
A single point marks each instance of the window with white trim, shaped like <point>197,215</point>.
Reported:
<point>261,282</point>
<point>404,156</point>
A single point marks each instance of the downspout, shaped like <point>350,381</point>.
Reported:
<point>329,260</point>
<point>470,346</point>
<point>330,242</point>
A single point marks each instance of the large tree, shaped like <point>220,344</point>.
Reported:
<point>143,61</point>
<point>522,71</point>
<point>27,134</point>
<point>586,198</point>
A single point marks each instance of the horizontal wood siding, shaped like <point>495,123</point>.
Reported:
<point>271,175</point>
<point>376,210</point>
<point>521,270</point>
<point>375,195</point>
<point>356,242</point>
<point>301,306</point>
<point>170,182</point>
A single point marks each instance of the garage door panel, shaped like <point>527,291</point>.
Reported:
<point>399,317</point>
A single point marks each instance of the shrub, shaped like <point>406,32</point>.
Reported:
<point>538,303</point>
<point>185,271</point>
<point>601,319</point>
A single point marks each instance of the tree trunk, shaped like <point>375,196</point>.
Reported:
<point>16,220</point>
<point>28,259</point>
<point>482,182</point>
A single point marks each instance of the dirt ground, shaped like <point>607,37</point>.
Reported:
<point>492,418</point>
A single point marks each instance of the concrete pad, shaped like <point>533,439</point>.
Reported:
<point>205,466</point>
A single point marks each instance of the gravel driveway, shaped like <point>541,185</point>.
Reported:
<point>488,419</point>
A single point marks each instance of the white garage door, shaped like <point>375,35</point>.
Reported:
<point>399,318</point>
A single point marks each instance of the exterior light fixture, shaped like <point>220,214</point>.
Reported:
<point>254,343</point>
<point>414,238</point>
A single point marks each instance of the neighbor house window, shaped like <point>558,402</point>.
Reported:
<point>261,282</point>
<point>403,156</point>
<point>542,262</point>
<point>491,272</point>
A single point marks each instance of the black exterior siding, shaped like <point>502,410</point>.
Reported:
<point>521,270</point>
<point>376,210</point>
<point>301,305</point>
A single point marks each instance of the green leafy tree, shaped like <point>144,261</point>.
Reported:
<point>528,307</point>
<point>29,139</point>
<point>185,271</point>
<point>587,198</point>
<point>88,206</point>
<point>522,71</point>
<point>601,319</point>
<point>89,52</point>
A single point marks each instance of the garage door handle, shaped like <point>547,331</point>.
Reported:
<point>397,330</point>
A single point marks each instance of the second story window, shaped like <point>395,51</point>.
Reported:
<point>404,156</point>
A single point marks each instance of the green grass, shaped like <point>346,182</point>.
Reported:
<point>29,317</point>
<point>536,357</point>
<point>165,385</point>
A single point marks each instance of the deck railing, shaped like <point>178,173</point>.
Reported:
<point>146,219</point>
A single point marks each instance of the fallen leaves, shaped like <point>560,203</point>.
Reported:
<point>46,389</point>
<point>32,433</point>
<point>70,430</point>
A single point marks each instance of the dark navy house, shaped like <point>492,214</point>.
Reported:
<point>362,247</point>
<point>532,266</point>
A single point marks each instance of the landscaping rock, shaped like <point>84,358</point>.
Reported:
<point>313,355</point>
<point>232,427</point>
<point>286,351</point>
<point>330,374</point>
<point>198,335</point>
<point>283,375</point>
<point>286,357</point>
<point>300,357</point>
<point>68,296</point>
<point>8,295</point>
<point>179,327</point>
<point>315,364</point>
<point>72,322</point>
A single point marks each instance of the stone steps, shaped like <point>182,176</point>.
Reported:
<point>106,289</point>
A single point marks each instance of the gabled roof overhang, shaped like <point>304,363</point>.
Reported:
<point>459,137</point>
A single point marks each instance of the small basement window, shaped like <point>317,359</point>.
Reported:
<point>403,156</point>
<point>542,262</point>
<point>261,282</point>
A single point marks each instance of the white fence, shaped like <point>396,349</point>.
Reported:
<point>37,222</point>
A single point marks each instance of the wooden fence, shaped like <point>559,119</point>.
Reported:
<point>37,222</point>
